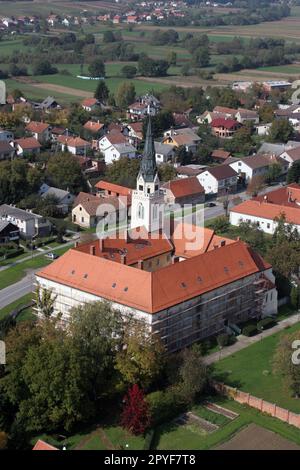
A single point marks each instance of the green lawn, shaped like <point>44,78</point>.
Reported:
<point>16,273</point>
<point>173,437</point>
<point>25,315</point>
<point>250,370</point>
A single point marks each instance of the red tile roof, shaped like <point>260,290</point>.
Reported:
<point>224,110</point>
<point>184,187</point>
<point>268,211</point>
<point>154,291</point>
<point>286,196</point>
<point>88,102</point>
<point>73,141</point>
<point>227,123</point>
<point>116,188</point>
<point>42,445</point>
<point>220,154</point>
<point>28,143</point>
<point>93,126</point>
<point>222,172</point>
<point>116,137</point>
<point>37,127</point>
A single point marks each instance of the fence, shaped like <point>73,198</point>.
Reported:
<point>258,403</point>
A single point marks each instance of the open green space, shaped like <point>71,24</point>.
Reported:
<point>15,273</point>
<point>25,315</point>
<point>251,370</point>
<point>174,436</point>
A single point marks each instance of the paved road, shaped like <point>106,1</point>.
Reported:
<point>244,341</point>
<point>16,291</point>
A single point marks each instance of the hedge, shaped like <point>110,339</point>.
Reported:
<point>225,339</point>
<point>12,253</point>
<point>266,323</point>
<point>249,330</point>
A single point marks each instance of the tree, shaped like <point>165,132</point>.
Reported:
<point>166,172</point>
<point>281,130</point>
<point>193,374</point>
<point>266,113</point>
<point>274,172</point>
<point>152,68</point>
<point>160,122</point>
<point>123,172</point>
<point>45,301</point>
<point>101,92</point>
<point>293,175</point>
<point>97,69</point>
<point>128,71</point>
<point>64,172</point>
<point>255,185</point>
<point>172,58</point>
<point>108,37</point>
<point>43,67</point>
<point>295,297</point>
<point>135,416</point>
<point>125,95</point>
<point>285,366</point>
<point>140,360</point>
<point>201,57</point>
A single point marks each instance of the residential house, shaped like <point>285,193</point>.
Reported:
<point>244,116</point>
<point>107,189</point>
<point>257,165</point>
<point>182,120</point>
<point>264,210</point>
<point>220,180</point>
<point>29,224</point>
<point>224,128</point>
<point>117,151</point>
<point>27,146</point>
<point>144,105</point>
<point>277,149</point>
<point>229,112</point>
<point>6,135</point>
<point>280,85</point>
<point>56,131</point>
<point>135,132</point>
<point>291,156</point>
<point>208,116</point>
<point>186,138</point>
<point>74,145</point>
<point>96,128</point>
<point>89,210</point>
<point>90,104</point>
<point>220,155</point>
<point>64,198</point>
<point>8,232</point>
<point>263,129</point>
<point>39,130</point>
<point>183,191</point>
<point>112,138</point>
<point>164,152</point>
<point>7,150</point>
<point>190,170</point>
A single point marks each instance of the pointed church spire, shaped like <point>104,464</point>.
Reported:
<point>148,167</point>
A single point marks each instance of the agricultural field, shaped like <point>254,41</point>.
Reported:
<point>42,7</point>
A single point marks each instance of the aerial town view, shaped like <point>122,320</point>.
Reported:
<point>149,228</point>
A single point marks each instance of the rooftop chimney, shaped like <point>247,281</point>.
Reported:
<point>123,259</point>
<point>92,250</point>
<point>175,259</point>
<point>141,264</point>
<point>101,244</point>
<point>223,242</point>
<point>76,244</point>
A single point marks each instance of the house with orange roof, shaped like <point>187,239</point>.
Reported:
<point>185,282</point>
<point>39,130</point>
<point>74,145</point>
<point>184,191</point>
<point>90,104</point>
<point>27,146</point>
<point>105,188</point>
<point>265,210</point>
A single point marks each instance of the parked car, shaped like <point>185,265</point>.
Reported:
<point>212,204</point>
<point>52,255</point>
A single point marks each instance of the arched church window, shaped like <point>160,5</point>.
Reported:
<point>140,211</point>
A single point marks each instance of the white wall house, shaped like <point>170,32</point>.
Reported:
<point>291,156</point>
<point>29,224</point>
<point>117,151</point>
<point>218,180</point>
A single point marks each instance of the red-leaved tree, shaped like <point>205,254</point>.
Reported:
<point>136,415</point>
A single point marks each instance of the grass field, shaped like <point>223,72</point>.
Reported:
<point>15,273</point>
<point>173,436</point>
<point>251,371</point>
<point>25,315</point>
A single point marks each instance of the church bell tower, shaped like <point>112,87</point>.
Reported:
<point>147,199</point>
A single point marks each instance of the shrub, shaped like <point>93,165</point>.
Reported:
<point>165,405</point>
<point>266,323</point>
<point>225,339</point>
<point>249,330</point>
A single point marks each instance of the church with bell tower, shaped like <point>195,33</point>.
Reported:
<point>147,208</point>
